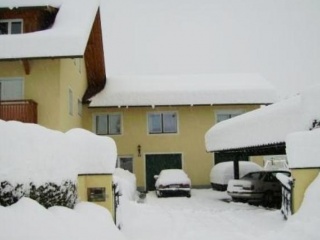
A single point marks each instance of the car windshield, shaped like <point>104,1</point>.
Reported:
<point>253,175</point>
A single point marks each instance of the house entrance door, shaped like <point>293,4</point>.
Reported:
<point>157,162</point>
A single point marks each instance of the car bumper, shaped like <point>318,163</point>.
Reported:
<point>246,195</point>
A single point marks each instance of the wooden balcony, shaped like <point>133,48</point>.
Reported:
<point>19,110</point>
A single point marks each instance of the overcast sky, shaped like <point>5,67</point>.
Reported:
<point>277,38</point>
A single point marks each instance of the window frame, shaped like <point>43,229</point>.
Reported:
<point>108,133</point>
<point>125,157</point>
<point>70,102</point>
<point>10,21</point>
<point>234,112</point>
<point>162,130</point>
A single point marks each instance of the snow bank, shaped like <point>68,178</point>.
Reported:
<point>28,220</point>
<point>126,183</point>
<point>185,90</point>
<point>32,153</point>
<point>94,154</point>
<point>303,149</point>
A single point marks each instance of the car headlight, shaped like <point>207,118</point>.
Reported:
<point>251,187</point>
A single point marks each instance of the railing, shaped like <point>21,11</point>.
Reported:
<point>19,110</point>
<point>287,195</point>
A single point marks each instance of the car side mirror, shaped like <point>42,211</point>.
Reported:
<point>156,177</point>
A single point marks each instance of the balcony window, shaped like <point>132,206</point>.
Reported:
<point>13,26</point>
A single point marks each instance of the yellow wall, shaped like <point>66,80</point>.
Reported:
<point>72,76</point>
<point>258,160</point>
<point>193,123</point>
<point>97,181</point>
<point>303,178</point>
<point>48,84</point>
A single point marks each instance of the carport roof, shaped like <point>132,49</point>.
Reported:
<point>266,127</point>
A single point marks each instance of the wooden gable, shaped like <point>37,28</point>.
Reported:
<point>34,19</point>
<point>94,59</point>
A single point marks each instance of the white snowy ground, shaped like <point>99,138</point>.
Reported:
<point>209,215</point>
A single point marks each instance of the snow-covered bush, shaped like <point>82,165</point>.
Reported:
<point>9,193</point>
<point>126,183</point>
<point>51,194</point>
<point>48,194</point>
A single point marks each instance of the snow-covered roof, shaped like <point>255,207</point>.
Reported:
<point>67,37</point>
<point>160,90</point>
<point>267,125</point>
<point>27,3</point>
<point>32,153</point>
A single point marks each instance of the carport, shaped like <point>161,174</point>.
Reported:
<point>265,132</point>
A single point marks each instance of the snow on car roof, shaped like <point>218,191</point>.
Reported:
<point>221,173</point>
<point>171,176</point>
<point>67,37</point>
<point>194,89</point>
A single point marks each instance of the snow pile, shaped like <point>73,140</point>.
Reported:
<point>303,149</point>
<point>172,176</point>
<point>31,153</point>
<point>67,37</point>
<point>221,173</point>
<point>93,154</point>
<point>185,90</point>
<point>126,183</point>
<point>28,220</point>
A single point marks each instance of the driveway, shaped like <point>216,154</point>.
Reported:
<point>207,214</point>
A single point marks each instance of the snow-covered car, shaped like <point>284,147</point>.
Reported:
<point>172,182</point>
<point>260,187</point>
<point>222,172</point>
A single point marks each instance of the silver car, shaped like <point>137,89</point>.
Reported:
<point>258,187</point>
<point>172,182</point>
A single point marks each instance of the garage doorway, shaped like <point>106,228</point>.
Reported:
<point>157,162</point>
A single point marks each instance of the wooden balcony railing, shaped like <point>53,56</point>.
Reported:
<point>19,110</point>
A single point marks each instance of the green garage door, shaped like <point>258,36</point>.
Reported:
<point>157,162</point>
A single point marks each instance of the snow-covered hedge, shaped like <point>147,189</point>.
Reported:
<point>48,195</point>
<point>43,164</point>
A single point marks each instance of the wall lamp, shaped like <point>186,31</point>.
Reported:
<point>139,150</point>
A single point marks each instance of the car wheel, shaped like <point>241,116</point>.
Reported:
<point>268,199</point>
<point>188,195</point>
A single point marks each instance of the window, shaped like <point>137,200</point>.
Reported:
<point>225,115</point>
<point>108,124</point>
<point>11,89</point>
<point>13,26</point>
<point>70,102</point>
<point>125,163</point>
<point>165,122</point>
<point>79,107</point>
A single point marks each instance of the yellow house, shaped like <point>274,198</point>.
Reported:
<point>158,122</point>
<point>276,130</point>
<point>51,61</point>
